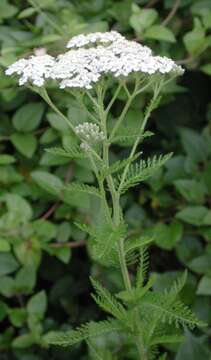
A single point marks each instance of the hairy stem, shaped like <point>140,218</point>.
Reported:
<point>113,98</point>
<point>116,221</point>
<point>102,190</point>
<point>122,116</point>
<point>142,129</point>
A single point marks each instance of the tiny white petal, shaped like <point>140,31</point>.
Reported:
<point>90,58</point>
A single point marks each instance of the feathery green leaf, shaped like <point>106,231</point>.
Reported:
<point>107,301</point>
<point>105,241</point>
<point>82,188</point>
<point>72,152</point>
<point>117,166</point>
<point>167,339</point>
<point>84,227</point>
<point>137,243</point>
<point>177,286</point>
<point>126,139</point>
<point>143,267</point>
<point>141,171</point>
<point>135,294</point>
<point>86,331</point>
<point>176,313</point>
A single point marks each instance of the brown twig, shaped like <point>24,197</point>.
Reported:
<point>171,13</point>
<point>69,244</point>
<point>50,211</point>
<point>40,131</point>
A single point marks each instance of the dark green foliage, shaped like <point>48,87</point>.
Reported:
<point>37,222</point>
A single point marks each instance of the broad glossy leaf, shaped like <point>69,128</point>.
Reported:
<point>48,182</point>
<point>8,264</point>
<point>26,144</point>
<point>37,304</point>
<point>142,19</point>
<point>204,286</point>
<point>193,144</point>
<point>195,39</point>
<point>194,215</point>
<point>160,32</point>
<point>28,117</point>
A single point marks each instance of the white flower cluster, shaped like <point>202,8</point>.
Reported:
<point>93,38</point>
<point>91,57</point>
<point>77,68</point>
<point>89,132</point>
<point>35,69</point>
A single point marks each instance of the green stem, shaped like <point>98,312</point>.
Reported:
<point>122,116</point>
<point>102,190</point>
<point>125,274</point>
<point>131,97</point>
<point>142,128</point>
<point>124,270</point>
<point>115,196</point>
<point>116,220</point>
<point>141,349</point>
<point>47,98</point>
<point>113,98</point>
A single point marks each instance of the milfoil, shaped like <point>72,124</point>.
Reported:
<point>98,69</point>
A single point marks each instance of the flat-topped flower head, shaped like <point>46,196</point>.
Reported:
<point>76,68</point>
<point>83,40</point>
<point>35,69</point>
<point>92,57</point>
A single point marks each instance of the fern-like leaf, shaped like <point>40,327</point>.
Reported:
<point>118,165</point>
<point>142,171</point>
<point>134,295</point>
<point>105,242</point>
<point>177,286</point>
<point>106,301</point>
<point>167,339</point>
<point>127,139</point>
<point>84,227</point>
<point>176,313</point>
<point>137,243</point>
<point>81,188</point>
<point>72,152</point>
<point>89,330</point>
<point>131,257</point>
<point>143,267</point>
<point>152,105</point>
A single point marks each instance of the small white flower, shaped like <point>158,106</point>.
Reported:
<point>92,57</point>
<point>35,69</point>
<point>94,38</point>
<point>90,133</point>
<point>84,146</point>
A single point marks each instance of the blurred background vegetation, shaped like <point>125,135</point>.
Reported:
<point>44,262</point>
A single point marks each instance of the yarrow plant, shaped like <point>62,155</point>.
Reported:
<point>96,64</point>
